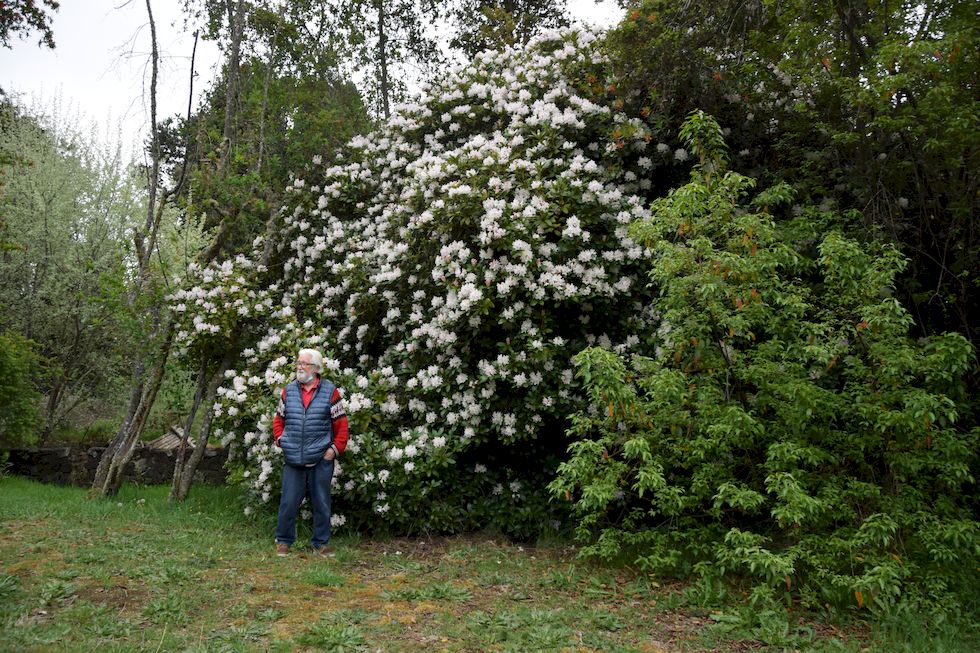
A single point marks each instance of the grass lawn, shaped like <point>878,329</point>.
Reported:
<point>136,573</point>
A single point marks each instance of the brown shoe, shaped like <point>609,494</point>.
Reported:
<point>282,549</point>
<point>324,551</point>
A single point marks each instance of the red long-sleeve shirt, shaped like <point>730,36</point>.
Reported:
<point>340,431</point>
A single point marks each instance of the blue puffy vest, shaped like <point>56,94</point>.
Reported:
<point>307,432</point>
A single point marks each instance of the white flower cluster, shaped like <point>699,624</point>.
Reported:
<point>215,298</point>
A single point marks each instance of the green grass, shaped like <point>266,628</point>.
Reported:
<point>136,573</point>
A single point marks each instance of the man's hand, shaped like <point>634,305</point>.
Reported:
<point>329,454</point>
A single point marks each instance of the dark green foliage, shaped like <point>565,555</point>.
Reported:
<point>483,25</point>
<point>25,16</point>
<point>789,435</point>
<point>19,365</point>
<point>869,108</point>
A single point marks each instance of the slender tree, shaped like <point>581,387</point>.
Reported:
<point>236,18</point>
<point>149,366</point>
<point>382,37</point>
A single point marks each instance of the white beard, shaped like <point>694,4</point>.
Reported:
<point>304,376</point>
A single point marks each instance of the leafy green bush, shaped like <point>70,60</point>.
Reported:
<point>19,417</point>
<point>881,121</point>
<point>788,433</point>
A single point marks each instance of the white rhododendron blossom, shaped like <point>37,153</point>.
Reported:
<point>448,265</point>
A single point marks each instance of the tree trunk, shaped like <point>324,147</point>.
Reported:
<point>202,378</point>
<point>102,471</point>
<point>384,85</point>
<point>54,398</point>
<point>146,241</point>
<point>109,475</point>
<point>236,20</point>
<point>270,66</point>
<point>184,473</point>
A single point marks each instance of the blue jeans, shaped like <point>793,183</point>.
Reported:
<point>296,481</point>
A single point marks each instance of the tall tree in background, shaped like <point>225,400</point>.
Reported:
<point>397,43</point>
<point>868,107</point>
<point>144,293</point>
<point>388,46</point>
<point>279,102</point>
<point>482,25</point>
<point>393,42</point>
<point>23,16</point>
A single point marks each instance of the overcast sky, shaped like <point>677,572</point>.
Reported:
<point>99,70</point>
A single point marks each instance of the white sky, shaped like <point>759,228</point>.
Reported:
<point>99,70</point>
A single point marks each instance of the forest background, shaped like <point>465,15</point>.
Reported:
<point>700,290</point>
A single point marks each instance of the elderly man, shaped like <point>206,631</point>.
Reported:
<point>310,427</point>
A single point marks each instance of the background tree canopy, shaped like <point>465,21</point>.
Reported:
<point>66,206</point>
<point>868,107</point>
<point>24,16</point>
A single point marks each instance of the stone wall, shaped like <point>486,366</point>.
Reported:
<point>77,465</point>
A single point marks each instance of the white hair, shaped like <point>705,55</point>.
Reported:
<point>315,357</point>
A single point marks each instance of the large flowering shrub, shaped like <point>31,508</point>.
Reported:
<point>449,265</point>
